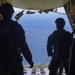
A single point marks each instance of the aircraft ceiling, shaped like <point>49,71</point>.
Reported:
<point>36,4</point>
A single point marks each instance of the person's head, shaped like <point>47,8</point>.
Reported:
<point>6,10</point>
<point>60,22</point>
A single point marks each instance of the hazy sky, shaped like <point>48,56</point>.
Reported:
<point>38,27</point>
<point>45,19</point>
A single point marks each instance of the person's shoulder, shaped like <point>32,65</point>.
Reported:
<point>15,23</point>
<point>53,34</point>
<point>17,26</point>
<point>67,32</point>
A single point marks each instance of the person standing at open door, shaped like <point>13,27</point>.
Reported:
<point>12,43</point>
<point>58,45</point>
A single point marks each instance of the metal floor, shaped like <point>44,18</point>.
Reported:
<point>38,71</point>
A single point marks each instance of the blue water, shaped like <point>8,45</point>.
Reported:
<point>37,29</point>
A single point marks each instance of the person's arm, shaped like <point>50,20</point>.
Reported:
<point>26,52</point>
<point>49,47</point>
<point>21,40</point>
<point>50,43</point>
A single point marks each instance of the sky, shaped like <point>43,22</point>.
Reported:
<point>44,18</point>
<point>38,27</point>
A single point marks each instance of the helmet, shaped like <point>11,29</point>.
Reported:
<point>6,9</point>
<point>60,21</point>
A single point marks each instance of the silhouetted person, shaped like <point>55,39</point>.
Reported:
<point>72,60</point>
<point>58,45</point>
<point>12,43</point>
<point>72,56</point>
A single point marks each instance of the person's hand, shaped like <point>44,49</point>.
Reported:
<point>31,65</point>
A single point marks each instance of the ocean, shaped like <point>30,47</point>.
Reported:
<point>37,29</point>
